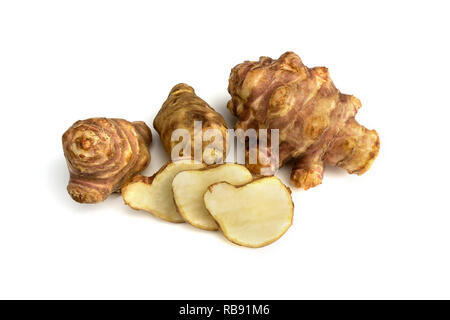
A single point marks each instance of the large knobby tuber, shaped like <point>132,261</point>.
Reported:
<point>316,122</point>
<point>103,154</point>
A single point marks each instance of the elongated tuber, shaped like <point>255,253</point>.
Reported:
<point>154,194</point>
<point>316,122</point>
<point>190,186</point>
<point>182,110</point>
<point>102,154</point>
<point>253,215</point>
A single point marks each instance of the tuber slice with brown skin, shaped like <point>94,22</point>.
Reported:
<point>190,186</point>
<point>316,122</point>
<point>181,109</point>
<point>102,154</point>
<point>154,194</point>
<point>253,215</point>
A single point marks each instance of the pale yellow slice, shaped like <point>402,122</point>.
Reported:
<point>190,186</point>
<point>253,215</point>
<point>154,194</point>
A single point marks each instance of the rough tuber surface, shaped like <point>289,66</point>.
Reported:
<point>316,122</point>
<point>102,154</point>
<point>179,111</point>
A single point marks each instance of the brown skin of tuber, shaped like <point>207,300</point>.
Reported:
<point>179,111</point>
<point>103,154</point>
<point>316,122</point>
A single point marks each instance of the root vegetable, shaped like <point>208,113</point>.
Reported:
<point>154,194</point>
<point>181,109</point>
<point>253,215</point>
<point>190,186</point>
<point>102,154</point>
<point>316,121</point>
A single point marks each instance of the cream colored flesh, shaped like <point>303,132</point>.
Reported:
<point>253,215</point>
<point>190,186</point>
<point>157,197</point>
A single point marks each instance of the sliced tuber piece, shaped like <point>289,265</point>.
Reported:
<point>190,186</point>
<point>253,215</point>
<point>154,194</point>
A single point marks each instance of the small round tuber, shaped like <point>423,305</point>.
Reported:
<point>102,154</point>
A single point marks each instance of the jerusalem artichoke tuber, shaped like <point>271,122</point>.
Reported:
<point>102,154</point>
<point>180,112</point>
<point>316,121</point>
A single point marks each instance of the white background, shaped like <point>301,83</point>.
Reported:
<point>385,234</point>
